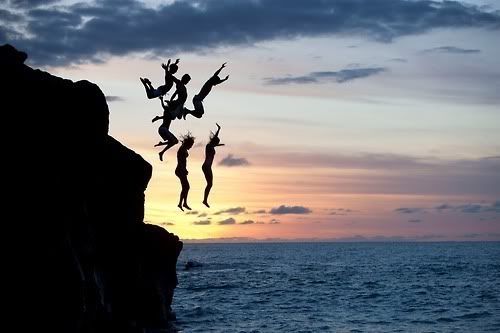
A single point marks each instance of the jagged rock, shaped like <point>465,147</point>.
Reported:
<point>89,262</point>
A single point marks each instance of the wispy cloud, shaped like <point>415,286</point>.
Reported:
<point>227,221</point>
<point>341,76</point>
<point>450,49</point>
<point>192,212</point>
<point>247,222</point>
<point>231,161</point>
<point>233,211</point>
<point>274,221</point>
<point>289,210</point>
<point>64,34</point>
<point>408,210</point>
<point>202,222</point>
<point>114,98</point>
<point>470,208</point>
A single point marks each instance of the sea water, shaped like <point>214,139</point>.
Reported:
<point>339,287</point>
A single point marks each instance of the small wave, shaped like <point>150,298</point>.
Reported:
<point>474,315</point>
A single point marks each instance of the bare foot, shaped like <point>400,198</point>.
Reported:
<point>159,144</point>
<point>180,206</point>
<point>186,206</point>
<point>161,156</point>
<point>206,203</point>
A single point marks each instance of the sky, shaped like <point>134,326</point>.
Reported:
<point>347,120</point>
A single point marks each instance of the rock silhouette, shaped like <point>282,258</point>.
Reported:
<point>86,260</point>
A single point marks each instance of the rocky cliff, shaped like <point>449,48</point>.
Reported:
<point>89,262</point>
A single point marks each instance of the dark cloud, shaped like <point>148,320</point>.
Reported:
<point>114,99</point>
<point>247,222</point>
<point>289,210</point>
<point>341,76</point>
<point>227,221</point>
<point>202,222</point>
<point>274,221</point>
<point>234,211</point>
<point>88,31</point>
<point>231,161</point>
<point>451,49</point>
<point>407,210</point>
<point>415,221</point>
<point>202,215</point>
<point>8,16</point>
<point>31,3</point>
<point>192,212</point>
<point>260,211</point>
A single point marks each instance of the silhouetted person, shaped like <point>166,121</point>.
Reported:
<point>170,70</point>
<point>207,165</point>
<point>177,105</point>
<point>204,91</point>
<point>168,137</point>
<point>181,169</point>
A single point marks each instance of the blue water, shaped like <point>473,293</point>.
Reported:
<point>339,287</point>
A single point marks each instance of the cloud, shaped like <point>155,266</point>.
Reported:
<point>91,31</point>
<point>202,222</point>
<point>167,223</point>
<point>260,211</point>
<point>415,221</point>
<point>234,211</point>
<point>407,210</point>
<point>274,221</point>
<point>192,212</point>
<point>387,173</point>
<point>451,49</point>
<point>402,60</point>
<point>227,221</point>
<point>341,76</point>
<point>289,210</point>
<point>340,211</point>
<point>114,99</point>
<point>231,161</point>
<point>471,208</point>
<point>247,222</point>
<point>202,215</point>
<point>31,3</point>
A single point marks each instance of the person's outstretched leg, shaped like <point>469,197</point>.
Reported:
<point>146,86</point>
<point>181,195</point>
<point>186,187</point>
<point>209,178</point>
<point>198,111</point>
<point>171,141</point>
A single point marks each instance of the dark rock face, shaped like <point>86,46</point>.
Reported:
<point>89,262</point>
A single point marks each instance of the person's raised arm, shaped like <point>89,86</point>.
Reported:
<point>176,61</point>
<point>217,72</point>
<point>218,130</point>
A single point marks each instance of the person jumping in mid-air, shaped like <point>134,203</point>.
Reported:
<point>204,91</point>
<point>169,139</point>
<point>209,158</point>
<point>170,70</point>
<point>181,169</point>
<point>177,105</point>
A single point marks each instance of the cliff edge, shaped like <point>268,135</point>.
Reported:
<point>90,262</point>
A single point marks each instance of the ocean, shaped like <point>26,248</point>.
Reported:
<point>339,287</point>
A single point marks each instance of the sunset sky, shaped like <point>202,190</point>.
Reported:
<point>347,120</point>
